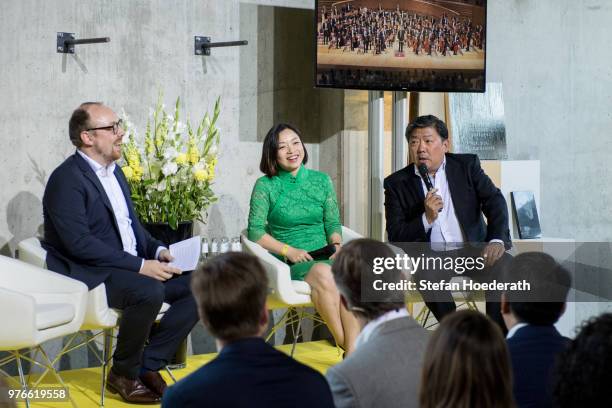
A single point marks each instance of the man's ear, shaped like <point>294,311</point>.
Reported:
<point>344,302</point>
<point>86,138</point>
<point>446,145</point>
<point>505,305</point>
<point>264,319</point>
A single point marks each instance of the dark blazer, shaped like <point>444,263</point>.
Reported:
<point>533,351</point>
<point>250,373</point>
<point>81,234</point>
<point>473,194</point>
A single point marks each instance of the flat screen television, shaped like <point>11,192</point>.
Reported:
<point>401,45</point>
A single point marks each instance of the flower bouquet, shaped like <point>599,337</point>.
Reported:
<point>171,169</point>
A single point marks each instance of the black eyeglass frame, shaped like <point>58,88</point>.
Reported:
<point>115,126</point>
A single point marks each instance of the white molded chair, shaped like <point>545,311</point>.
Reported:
<point>293,295</point>
<point>98,315</point>
<point>38,305</point>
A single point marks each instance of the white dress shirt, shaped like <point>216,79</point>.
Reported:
<point>514,329</point>
<point>114,193</point>
<point>368,329</point>
<point>446,232</point>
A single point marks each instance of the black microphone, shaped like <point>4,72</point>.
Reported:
<point>425,175</point>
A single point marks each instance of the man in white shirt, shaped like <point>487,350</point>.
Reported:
<point>92,234</point>
<point>449,216</point>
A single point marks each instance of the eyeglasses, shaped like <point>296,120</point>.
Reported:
<point>115,126</point>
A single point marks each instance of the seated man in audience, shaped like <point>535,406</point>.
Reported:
<point>231,292</point>
<point>583,375</point>
<point>533,341</point>
<point>385,368</point>
<point>92,234</point>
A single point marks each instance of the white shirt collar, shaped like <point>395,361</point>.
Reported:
<point>515,328</point>
<point>99,169</point>
<point>369,328</point>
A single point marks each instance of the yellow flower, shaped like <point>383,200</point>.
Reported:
<point>181,158</point>
<point>137,172</point>
<point>194,156</point>
<point>127,171</point>
<point>200,174</point>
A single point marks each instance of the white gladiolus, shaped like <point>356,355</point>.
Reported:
<point>170,153</point>
<point>169,168</point>
<point>161,186</point>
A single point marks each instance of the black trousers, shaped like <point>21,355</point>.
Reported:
<point>441,302</point>
<point>139,298</point>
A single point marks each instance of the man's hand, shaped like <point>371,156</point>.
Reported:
<point>492,252</point>
<point>158,270</point>
<point>433,204</point>
<point>297,255</point>
<point>165,256</point>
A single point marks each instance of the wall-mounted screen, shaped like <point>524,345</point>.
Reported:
<point>412,45</point>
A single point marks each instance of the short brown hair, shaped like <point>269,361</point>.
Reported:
<point>268,164</point>
<point>79,121</point>
<point>352,271</point>
<point>466,364</point>
<point>230,290</point>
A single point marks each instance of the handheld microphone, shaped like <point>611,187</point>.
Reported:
<point>425,176</point>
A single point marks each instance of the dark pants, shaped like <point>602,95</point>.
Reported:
<point>139,298</point>
<point>441,302</point>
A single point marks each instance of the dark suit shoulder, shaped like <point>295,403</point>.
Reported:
<point>399,176</point>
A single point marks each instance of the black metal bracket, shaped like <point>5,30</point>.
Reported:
<point>202,45</point>
<point>67,41</point>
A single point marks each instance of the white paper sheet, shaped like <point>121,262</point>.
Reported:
<point>186,254</point>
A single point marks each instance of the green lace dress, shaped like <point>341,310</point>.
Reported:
<point>300,211</point>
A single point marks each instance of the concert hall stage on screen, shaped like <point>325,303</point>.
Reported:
<point>414,45</point>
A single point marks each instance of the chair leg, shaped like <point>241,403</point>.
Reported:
<point>296,334</point>
<point>22,378</point>
<point>55,373</point>
<point>106,351</point>
<point>170,374</point>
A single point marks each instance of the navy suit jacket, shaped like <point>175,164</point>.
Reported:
<point>473,194</point>
<point>81,234</point>
<point>250,373</point>
<point>533,351</point>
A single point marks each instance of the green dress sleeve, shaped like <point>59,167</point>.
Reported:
<point>258,212</point>
<point>331,214</point>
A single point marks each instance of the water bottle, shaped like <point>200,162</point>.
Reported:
<point>214,247</point>
<point>225,245</point>
<point>236,246</point>
<point>204,253</point>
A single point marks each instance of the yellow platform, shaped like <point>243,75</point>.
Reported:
<point>84,384</point>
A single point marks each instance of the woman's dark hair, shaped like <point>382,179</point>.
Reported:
<point>268,164</point>
<point>466,364</point>
<point>353,272</point>
<point>427,121</point>
<point>583,372</point>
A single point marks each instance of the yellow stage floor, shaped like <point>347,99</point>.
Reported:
<point>84,384</point>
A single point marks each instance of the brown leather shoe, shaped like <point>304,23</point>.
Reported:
<point>154,381</point>
<point>130,390</point>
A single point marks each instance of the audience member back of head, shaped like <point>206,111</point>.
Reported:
<point>466,365</point>
<point>584,373</point>
<point>533,342</point>
<point>231,292</point>
<point>384,369</point>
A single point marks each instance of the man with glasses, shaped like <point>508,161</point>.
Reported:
<point>92,234</point>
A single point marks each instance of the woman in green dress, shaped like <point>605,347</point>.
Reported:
<point>294,211</point>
